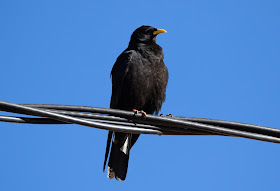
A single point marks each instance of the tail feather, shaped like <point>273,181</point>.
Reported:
<point>107,148</point>
<point>110,173</point>
<point>119,155</point>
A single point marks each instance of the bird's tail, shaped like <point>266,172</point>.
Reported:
<point>109,139</point>
<point>119,155</point>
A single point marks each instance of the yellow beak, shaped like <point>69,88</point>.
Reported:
<point>159,31</point>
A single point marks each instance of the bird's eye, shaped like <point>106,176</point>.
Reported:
<point>147,31</point>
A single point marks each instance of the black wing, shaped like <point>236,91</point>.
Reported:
<point>118,74</point>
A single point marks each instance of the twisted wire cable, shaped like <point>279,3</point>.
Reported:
<point>126,121</point>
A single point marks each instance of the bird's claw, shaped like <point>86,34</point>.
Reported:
<point>144,114</point>
<point>168,115</point>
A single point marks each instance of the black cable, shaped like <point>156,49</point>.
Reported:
<point>235,125</point>
<point>28,120</point>
<point>126,121</point>
<point>72,120</point>
<point>96,118</point>
<point>13,119</point>
<point>228,129</point>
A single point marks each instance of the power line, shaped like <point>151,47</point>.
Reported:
<point>126,121</point>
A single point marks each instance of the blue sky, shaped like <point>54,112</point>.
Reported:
<point>223,60</point>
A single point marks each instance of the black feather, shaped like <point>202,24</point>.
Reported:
<point>139,80</point>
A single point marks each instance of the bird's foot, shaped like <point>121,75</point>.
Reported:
<point>168,115</point>
<point>142,112</point>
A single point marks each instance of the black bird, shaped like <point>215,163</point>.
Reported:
<point>139,80</point>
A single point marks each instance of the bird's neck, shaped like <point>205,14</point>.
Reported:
<point>139,44</point>
<point>142,46</point>
<point>147,50</point>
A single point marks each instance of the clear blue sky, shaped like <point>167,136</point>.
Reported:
<point>224,61</point>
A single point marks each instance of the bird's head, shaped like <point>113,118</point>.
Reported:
<point>145,35</point>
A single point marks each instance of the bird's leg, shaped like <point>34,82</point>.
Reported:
<point>142,112</point>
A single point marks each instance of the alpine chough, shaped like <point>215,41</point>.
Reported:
<point>139,80</point>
